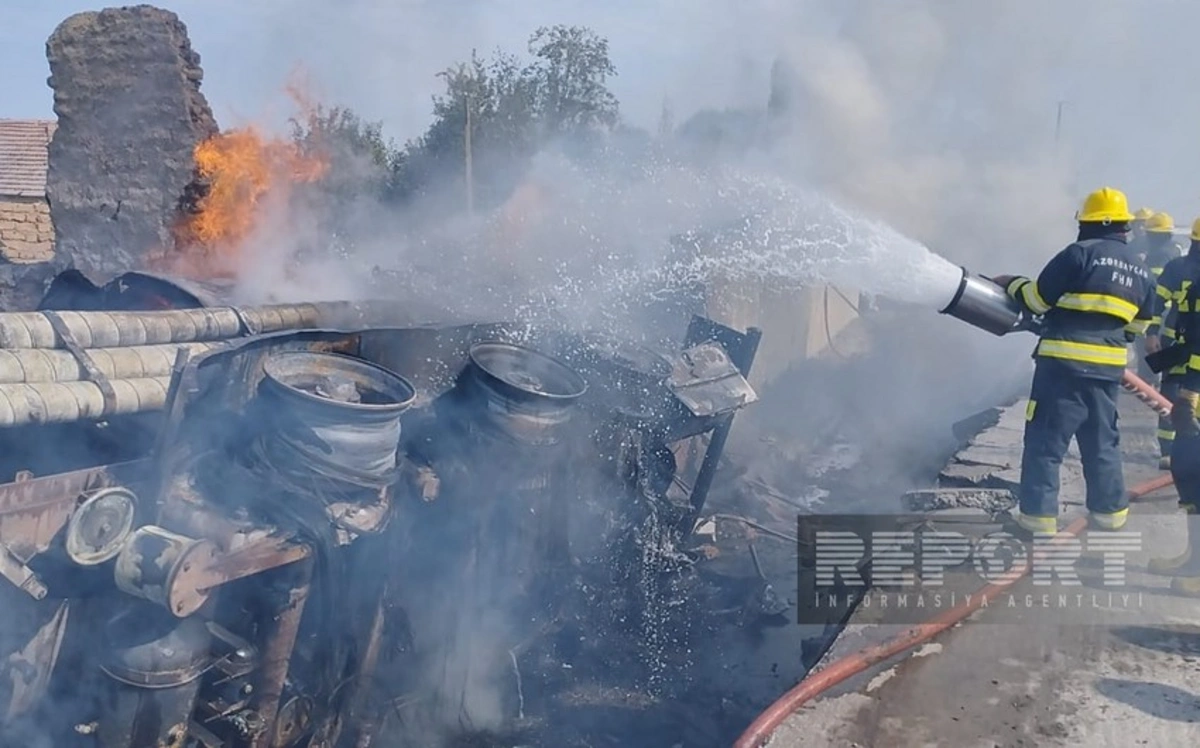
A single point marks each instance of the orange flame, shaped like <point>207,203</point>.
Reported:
<point>244,174</point>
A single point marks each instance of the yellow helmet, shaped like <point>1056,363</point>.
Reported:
<point>1143,214</point>
<point>1196,230</point>
<point>1105,205</point>
<point>1160,223</point>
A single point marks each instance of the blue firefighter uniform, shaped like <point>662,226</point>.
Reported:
<point>1094,296</point>
<point>1157,248</point>
<point>1185,452</point>
<point>1176,278</point>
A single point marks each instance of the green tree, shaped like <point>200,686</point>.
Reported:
<point>361,160</point>
<point>571,69</point>
<point>506,110</point>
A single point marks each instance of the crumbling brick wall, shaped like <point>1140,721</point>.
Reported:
<point>130,113</point>
<point>26,231</point>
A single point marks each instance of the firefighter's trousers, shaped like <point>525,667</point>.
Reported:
<point>1166,432</point>
<point>1062,406</point>
<point>1185,469</point>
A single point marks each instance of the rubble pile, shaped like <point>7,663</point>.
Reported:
<point>130,114</point>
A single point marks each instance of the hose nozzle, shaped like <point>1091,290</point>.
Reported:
<point>982,303</point>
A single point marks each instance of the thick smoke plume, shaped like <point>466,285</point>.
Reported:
<point>942,121</point>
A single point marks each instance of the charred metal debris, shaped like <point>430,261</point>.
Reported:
<point>234,526</point>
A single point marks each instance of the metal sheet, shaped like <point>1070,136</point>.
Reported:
<point>26,673</point>
<point>707,383</point>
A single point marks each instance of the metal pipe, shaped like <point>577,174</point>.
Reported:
<point>362,721</point>
<point>983,303</point>
<point>32,365</point>
<point>280,641</point>
<point>66,402</point>
<point>122,329</point>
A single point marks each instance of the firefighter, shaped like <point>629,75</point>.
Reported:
<point>1185,454</point>
<point>1173,282</point>
<point>1160,243</point>
<point>1094,296</point>
<point>1137,231</point>
<point>1152,241</point>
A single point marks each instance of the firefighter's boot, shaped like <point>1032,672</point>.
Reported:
<point>1184,568</point>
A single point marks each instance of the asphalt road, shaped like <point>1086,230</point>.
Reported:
<point>1096,671</point>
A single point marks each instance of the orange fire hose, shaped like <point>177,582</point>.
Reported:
<point>1147,394</point>
<point>764,726</point>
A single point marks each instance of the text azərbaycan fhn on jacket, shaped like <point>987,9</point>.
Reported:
<point>1093,297</point>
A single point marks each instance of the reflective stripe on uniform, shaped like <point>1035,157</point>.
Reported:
<point>1088,353</point>
<point>1157,271</point>
<point>1137,327</point>
<point>1193,362</point>
<point>1033,523</point>
<point>1029,294</point>
<point>1166,435</point>
<point>1098,302</point>
<point>1114,521</point>
<point>1180,296</point>
<point>1164,292</point>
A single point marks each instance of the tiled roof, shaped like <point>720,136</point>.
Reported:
<point>23,156</point>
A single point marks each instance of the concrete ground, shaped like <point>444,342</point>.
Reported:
<point>1105,672</point>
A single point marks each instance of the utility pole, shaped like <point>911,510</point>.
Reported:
<point>469,172</point>
<point>1058,122</point>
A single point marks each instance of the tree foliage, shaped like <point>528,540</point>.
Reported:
<point>571,69</point>
<point>514,108</point>
<point>361,160</point>
<point>504,107</point>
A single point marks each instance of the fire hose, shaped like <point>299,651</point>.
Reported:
<point>1147,394</point>
<point>759,732</point>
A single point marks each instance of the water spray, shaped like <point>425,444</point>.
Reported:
<point>983,303</point>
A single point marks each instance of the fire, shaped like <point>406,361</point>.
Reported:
<point>241,174</point>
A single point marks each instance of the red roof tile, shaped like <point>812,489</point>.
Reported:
<point>23,156</point>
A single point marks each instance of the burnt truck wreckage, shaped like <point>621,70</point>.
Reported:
<point>296,525</point>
